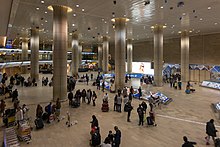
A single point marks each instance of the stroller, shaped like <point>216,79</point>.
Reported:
<point>95,137</point>
<point>9,117</point>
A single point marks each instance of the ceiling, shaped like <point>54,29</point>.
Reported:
<point>198,16</point>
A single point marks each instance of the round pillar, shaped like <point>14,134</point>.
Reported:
<point>185,56</point>
<point>59,52</point>
<point>105,54</point>
<point>99,55</point>
<point>80,53</point>
<point>75,55</point>
<point>120,34</point>
<point>158,55</point>
<point>129,55</point>
<point>24,54</point>
<point>35,53</point>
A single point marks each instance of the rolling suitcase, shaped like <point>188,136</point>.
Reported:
<point>217,142</point>
<point>39,123</point>
<point>149,121</point>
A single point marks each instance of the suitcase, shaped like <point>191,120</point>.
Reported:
<point>45,116</point>
<point>217,142</point>
<point>149,121</point>
<point>105,107</point>
<point>39,123</point>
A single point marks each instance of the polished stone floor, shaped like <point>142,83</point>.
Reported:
<point>186,115</point>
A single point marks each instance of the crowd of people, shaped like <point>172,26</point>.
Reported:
<point>121,101</point>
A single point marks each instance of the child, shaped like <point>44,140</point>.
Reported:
<point>68,123</point>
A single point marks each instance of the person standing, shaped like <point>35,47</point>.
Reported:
<point>58,107</point>
<point>105,97</point>
<point>89,96</point>
<point>188,143</point>
<point>39,111</point>
<point>94,97</point>
<point>14,95</point>
<point>70,97</point>
<point>103,86</point>
<point>119,102</point>
<point>94,122</point>
<point>140,92</point>
<point>144,106</point>
<point>117,137</point>
<point>129,109</point>
<point>210,131</point>
<point>140,112</point>
<point>115,102</point>
<point>87,79</point>
<point>83,94</point>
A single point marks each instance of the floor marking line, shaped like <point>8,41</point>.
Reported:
<point>180,119</point>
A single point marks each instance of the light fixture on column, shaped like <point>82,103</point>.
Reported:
<point>68,8</point>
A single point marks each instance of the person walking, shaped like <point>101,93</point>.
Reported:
<point>39,111</point>
<point>103,86</point>
<point>87,79</point>
<point>94,122</point>
<point>94,97</point>
<point>117,137</point>
<point>140,112</point>
<point>140,92</point>
<point>210,131</point>
<point>129,109</point>
<point>188,143</point>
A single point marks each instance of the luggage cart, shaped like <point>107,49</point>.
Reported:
<point>24,131</point>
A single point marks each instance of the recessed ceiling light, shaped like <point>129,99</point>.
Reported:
<point>102,19</point>
<point>46,21</point>
<point>184,14</point>
<point>42,24</point>
<point>45,12</point>
<point>74,14</point>
<point>190,31</point>
<point>200,19</point>
<point>209,8</point>
<point>179,32</point>
<point>77,5</point>
<point>161,7</point>
<point>42,2</point>
<point>83,10</point>
<point>95,27</point>
<point>105,22</point>
<point>73,24</point>
<point>37,8</point>
<point>215,23</point>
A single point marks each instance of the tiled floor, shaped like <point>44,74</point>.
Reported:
<point>186,115</point>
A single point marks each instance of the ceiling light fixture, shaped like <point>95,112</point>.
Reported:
<point>37,8</point>
<point>83,10</point>
<point>215,23</point>
<point>45,12</point>
<point>209,8</point>
<point>46,21</point>
<point>42,2</point>
<point>200,19</point>
<point>73,24</point>
<point>161,7</point>
<point>77,5</point>
<point>74,14</point>
<point>184,14</point>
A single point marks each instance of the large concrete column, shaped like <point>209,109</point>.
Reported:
<point>24,54</point>
<point>80,53</point>
<point>129,55</point>
<point>100,53</point>
<point>158,54</point>
<point>75,55</point>
<point>35,53</point>
<point>60,52</point>
<point>2,41</point>
<point>105,54</point>
<point>185,56</point>
<point>120,34</point>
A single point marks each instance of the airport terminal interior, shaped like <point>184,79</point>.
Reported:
<point>72,71</point>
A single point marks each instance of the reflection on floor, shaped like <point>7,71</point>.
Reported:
<point>186,115</point>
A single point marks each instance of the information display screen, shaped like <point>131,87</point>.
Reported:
<point>142,67</point>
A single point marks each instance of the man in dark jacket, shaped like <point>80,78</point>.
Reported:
<point>140,112</point>
<point>210,131</point>
<point>117,137</point>
<point>129,109</point>
<point>70,97</point>
<point>188,143</point>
